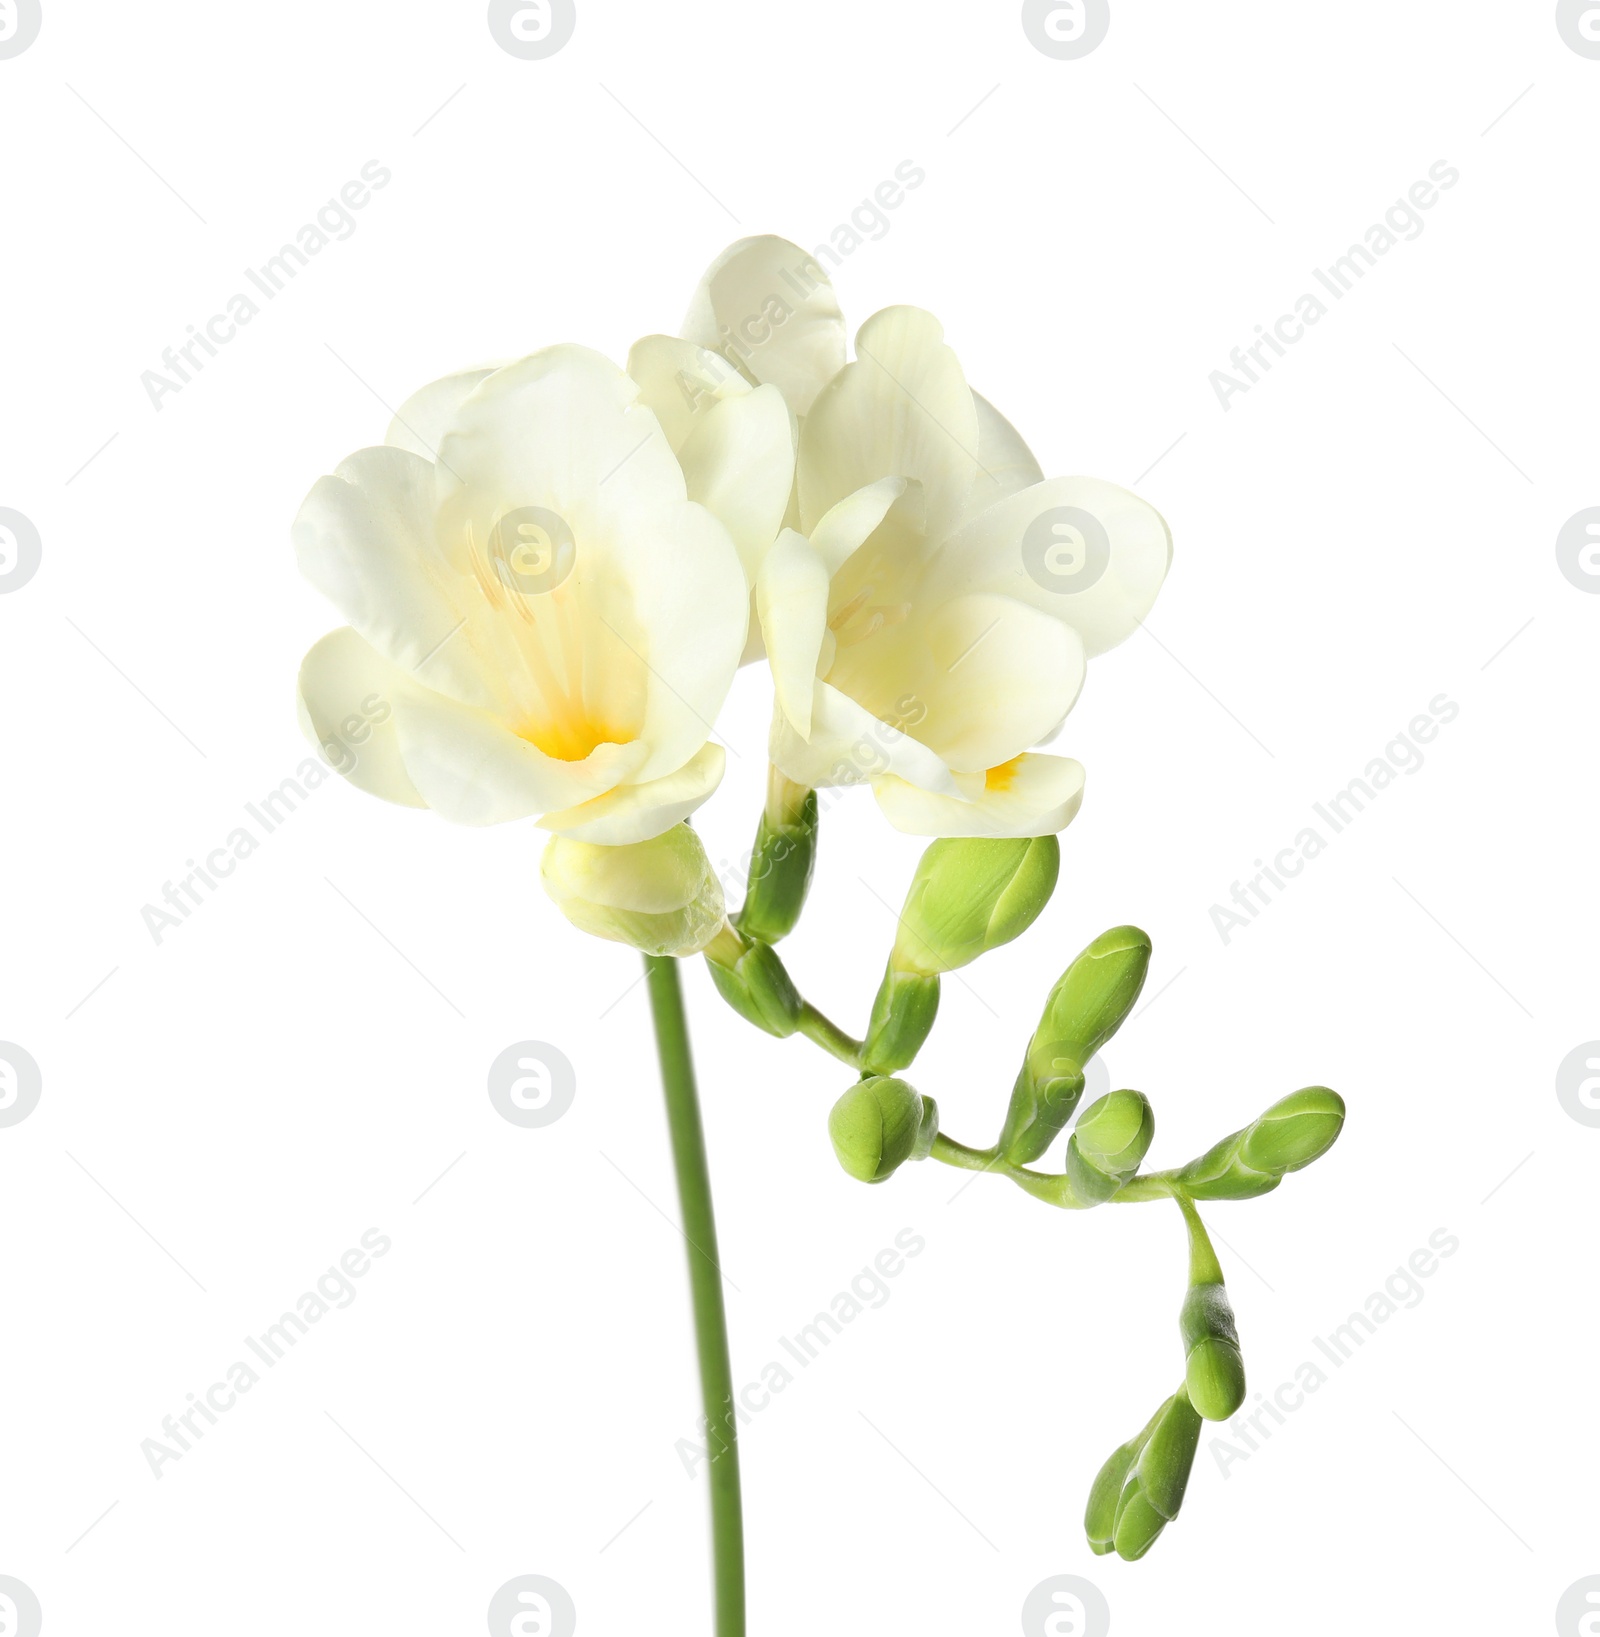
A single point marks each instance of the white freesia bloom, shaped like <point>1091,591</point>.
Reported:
<point>928,619</point>
<point>543,621</point>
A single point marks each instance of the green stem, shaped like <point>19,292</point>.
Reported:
<point>705,1285</point>
<point>829,1036</point>
<point>1204,1268</point>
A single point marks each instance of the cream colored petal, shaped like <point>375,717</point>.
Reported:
<point>992,677</point>
<point>841,530</point>
<point>472,769</point>
<point>559,430</point>
<point>365,538</point>
<point>636,812</point>
<point>679,383</point>
<point>739,464</point>
<point>1031,796</point>
<point>1087,552</point>
<point>421,422</point>
<point>677,598</point>
<point>849,745</point>
<point>792,603</point>
<point>1005,462</point>
<point>347,700</point>
<point>903,409</point>
<point>767,306</point>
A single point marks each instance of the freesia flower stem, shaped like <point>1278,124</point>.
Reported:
<point>829,1036</point>
<point>1204,1268</point>
<point>705,1285</point>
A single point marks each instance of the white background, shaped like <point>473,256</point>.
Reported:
<point>227,1112</point>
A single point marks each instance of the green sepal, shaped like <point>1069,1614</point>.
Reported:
<point>1219,1173</point>
<point>902,1018</point>
<point>758,987</point>
<point>1214,1365</point>
<point>781,866</point>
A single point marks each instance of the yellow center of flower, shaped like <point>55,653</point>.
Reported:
<point>1003,776</point>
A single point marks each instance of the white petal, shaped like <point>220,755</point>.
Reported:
<point>792,603</point>
<point>842,530</point>
<point>422,420</point>
<point>365,538</point>
<point>1005,462</point>
<point>1044,543</point>
<point>992,677</point>
<point>1031,796</point>
<point>739,464</point>
<point>903,409</point>
<point>636,812</point>
<point>559,430</point>
<point>680,383</point>
<point>470,768</point>
<point>849,745</point>
<point>347,701</point>
<point>767,306</point>
<point>679,601</point>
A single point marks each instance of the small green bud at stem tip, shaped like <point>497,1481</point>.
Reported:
<point>1088,1004</point>
<point>879,1124</point>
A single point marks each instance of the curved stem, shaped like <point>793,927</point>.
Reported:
<point>705,1285</point>
<point>827,1034</point>
<point>1204,1268</point>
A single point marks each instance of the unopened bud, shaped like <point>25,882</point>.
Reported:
<point>902,1017</point>
<point>781,862</point>
<point>755,983</point>
<point>1291,1134</point>
<point>1140,1489</point>
<point>879,1124</point>
<point>1296,1130</point>
<point>970,895</point>
<point>1109,1144</point>
<point>1087,1006</point>
<point>660,896</point>
<point>1214,1367</point>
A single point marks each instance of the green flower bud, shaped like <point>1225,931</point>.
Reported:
<point>1214,1367</point>
<point>1168,1455</point>
<point>781,862</point>
<point>1108,1145</point>
<point>970,895</point>
<point>1296,1130</point>
<point>1138,1522</point>
<point>1100,1516</point>
<point>658,895</point>
<point>879,1124</point>
<point>755,983</point>
<point>902,1016</point>
<point>1140,1489</point>
<point>1086,1007</point>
